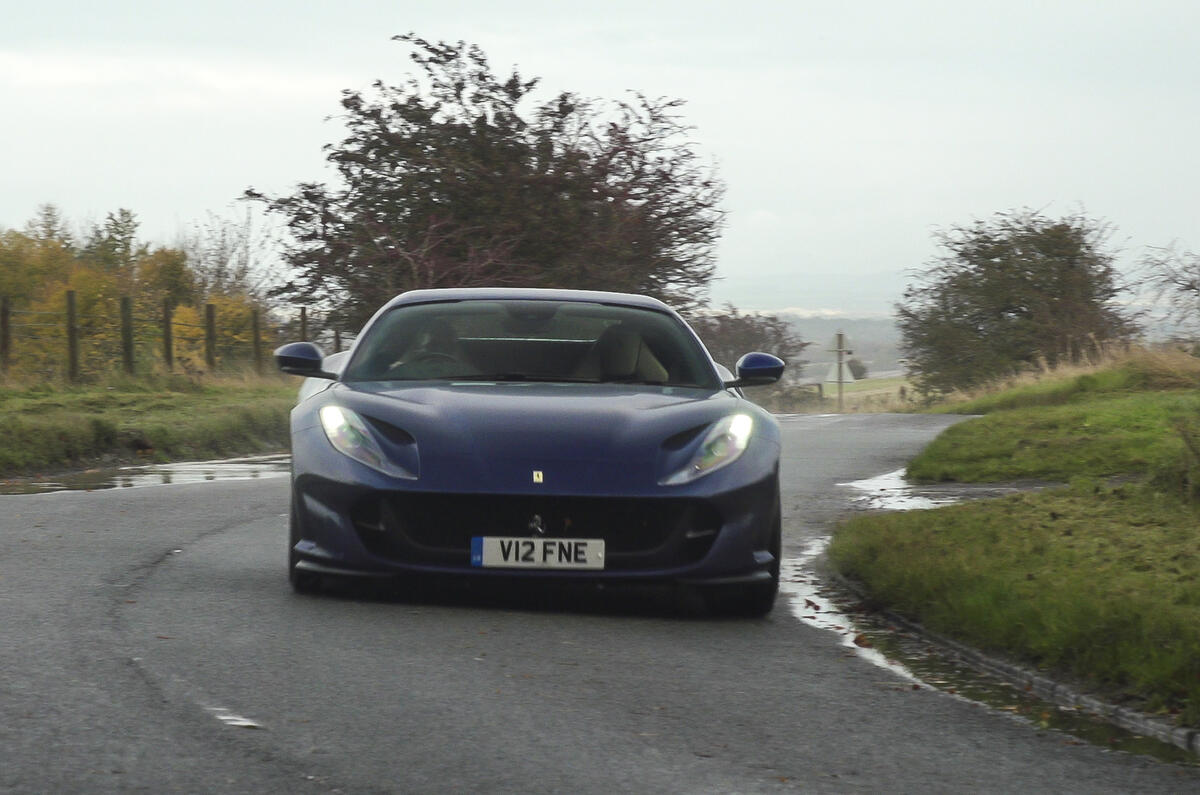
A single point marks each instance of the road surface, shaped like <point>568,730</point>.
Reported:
<point>150,642</point>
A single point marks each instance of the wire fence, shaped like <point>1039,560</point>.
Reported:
<point>79,343</point>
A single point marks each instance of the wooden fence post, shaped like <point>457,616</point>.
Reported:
<point>303,324</point>
<point>72,338</point>
<point>210,336</point>
<point>257,341</point>
<point>5,340</point>
<point>168,343</point>
<point>127,333</point>
<point>337,340</point>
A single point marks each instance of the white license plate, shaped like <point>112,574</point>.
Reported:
<point>537,553</point>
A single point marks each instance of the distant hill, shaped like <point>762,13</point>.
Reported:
<point>875,342</point>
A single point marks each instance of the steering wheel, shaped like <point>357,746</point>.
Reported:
<point>435,356</point>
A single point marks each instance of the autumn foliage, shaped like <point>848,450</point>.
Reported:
<point>41,265</point>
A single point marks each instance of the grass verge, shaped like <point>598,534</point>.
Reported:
<point>1102,584</point>
<point>1123,420</point>
<point>1090,581</point>
<point>1099,435</point>
<point>159,418</point>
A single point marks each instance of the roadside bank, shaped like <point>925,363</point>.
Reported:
<point>1095,583</point>
<point>55,428</point>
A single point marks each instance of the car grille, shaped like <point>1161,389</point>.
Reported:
<point>437,528</point>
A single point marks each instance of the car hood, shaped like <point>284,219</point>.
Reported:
<point>542,438</point>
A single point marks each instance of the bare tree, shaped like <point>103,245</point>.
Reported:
<point>729,333</point>
<point>235,255</point>
<point>1174,277</point>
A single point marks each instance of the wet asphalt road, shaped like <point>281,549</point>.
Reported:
<point>150,642</point>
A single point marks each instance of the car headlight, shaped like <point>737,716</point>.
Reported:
<point>724,444</point>
<point>350,436</point>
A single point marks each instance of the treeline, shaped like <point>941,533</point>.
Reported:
<point>220,263</point>
<point>455,177</point>
<point>1023,291</point>
<point>111,279</point>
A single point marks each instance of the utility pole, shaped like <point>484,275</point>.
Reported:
<point>842,351</point>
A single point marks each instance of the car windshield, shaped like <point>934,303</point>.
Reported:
<point>530,340</point>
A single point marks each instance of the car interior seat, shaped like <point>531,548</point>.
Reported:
<point>620,354</point>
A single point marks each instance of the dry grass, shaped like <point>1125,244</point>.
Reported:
<point>874,396</point>
<point>1164,368</point>
<point>1150,368</point>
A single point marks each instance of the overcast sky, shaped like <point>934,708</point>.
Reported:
<point>846,131</point>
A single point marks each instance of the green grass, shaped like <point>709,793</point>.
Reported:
<point>1091,581</point>
<point>46,427</point>
<point>1101,584</point>
<point>1099,434</point>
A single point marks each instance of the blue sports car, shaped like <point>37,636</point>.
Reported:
<point>557,434</point>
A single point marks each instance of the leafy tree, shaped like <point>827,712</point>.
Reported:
<point>728,334</point>
<point>48,226</point>
<point>113,245</point>
<point>455,178</point>
<point>164,274</point>
<point>28,264</point>
<point>1007,293</point>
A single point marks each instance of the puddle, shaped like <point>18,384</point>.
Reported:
<point>811,604</point>
<point>915,662</point>
<point>248,468</point>
<point>891,492</point>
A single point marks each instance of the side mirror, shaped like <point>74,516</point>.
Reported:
<point>757,369</point>
<point>302,358</point>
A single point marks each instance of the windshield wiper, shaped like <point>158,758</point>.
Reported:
<point>635,382</point>
<point>508,377</point>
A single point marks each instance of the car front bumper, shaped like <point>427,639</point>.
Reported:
<point>355,529</point>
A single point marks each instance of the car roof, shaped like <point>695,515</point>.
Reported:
<point>525,294</point>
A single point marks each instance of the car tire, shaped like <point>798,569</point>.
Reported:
<point>303,582</point>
